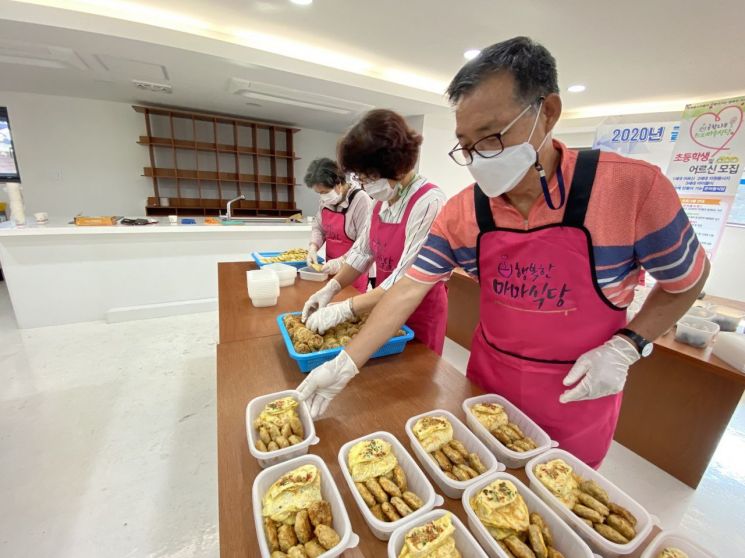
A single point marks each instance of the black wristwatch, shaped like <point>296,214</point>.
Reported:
<point>642,345</point>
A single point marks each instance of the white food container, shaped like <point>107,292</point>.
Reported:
<point>310,274</point>
<point>464,541</point>
<point>566,541</point>
<point>730,347</point>
<point>727,318</point>
<point>417,483</point>
<point>267,459</point>
<point>667,539</point>
<point>451,488</point>
<point>285,273</point>
<point>600,544</point>
<point>264,302</point>
<point>329,492</point>
<point>696,332</point>
<point>700,312</point>
<point>262,283</point>
<point>512,459</point>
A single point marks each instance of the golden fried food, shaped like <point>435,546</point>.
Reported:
<point>320,514</point>
<point>450,475</point>
<point>286,431</point>
<point>454,456</point>
<point>261,446</point>
<point>587,513</point>
<point>442,460</point>
<point>345,340</point>
<point>469,470</point>
<point>553,553</point>
<point>460,474</point>
<point>376,490</point>
<point>504,434</point>
<point>294,440</point>
<point>286,537</point>
<point>399,477</point>
<point>272,446</point>
<point>291,255</point>
<point>303,528</point>
<point>458,446</point>
<point>302,348</point>
<point>303,335</point>
<point>377,511</point>
<point>297,552</point>
<point>536,519</point>
<point>315,343</point>
<point>475,462</point>
<point>518,548</point>
<point>621,525</point>
<point>505,549</point>
<point>274,431</point>
<point>389,512</point>
<point>278,554</point>
<point>366,495</point>
<point>314,549</point>
<point>270,529</point>
<point>389,486</point>
<point>401,507</point>
<point>610,533</point>
<point>595,490</point>
<point>330,345</point>
<point>327,537</point>
<point>516,429</point>
<point>264,435</point>
<point>623,512</point>
<point>412,500</point>
<point>282,442</point>
<point>671,552</point>
<point>587,522</point>
<point>535,539</point>
<point>587,500</point>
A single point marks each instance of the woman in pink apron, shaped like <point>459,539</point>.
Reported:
<point>382,151</point>
<point>343,213</point>
<point>541,308</point>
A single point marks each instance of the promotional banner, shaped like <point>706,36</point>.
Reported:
<point>707,163</point>
<point>651,141</point>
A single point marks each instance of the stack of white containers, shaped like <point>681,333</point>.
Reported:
<point>286,273</point>
<point>263,287</point>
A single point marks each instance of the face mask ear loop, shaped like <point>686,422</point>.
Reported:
<point>542,171</point>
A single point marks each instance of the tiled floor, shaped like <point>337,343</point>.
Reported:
<point>107,446</point>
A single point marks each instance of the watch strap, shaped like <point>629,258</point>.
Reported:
<point>638,341</point>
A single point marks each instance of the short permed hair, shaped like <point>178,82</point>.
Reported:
<point>324,171</point>
<point>530,63</point>
<point>380,145</point>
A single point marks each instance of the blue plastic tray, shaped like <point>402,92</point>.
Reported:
<point>307,362</point>
<point>258,255</point>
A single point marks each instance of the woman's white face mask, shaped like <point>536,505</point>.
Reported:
<point>498,174</point>
<point>380,189</point>
<point>331,197</point>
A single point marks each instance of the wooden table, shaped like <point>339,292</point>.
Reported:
<point>676,405</point>
<point>383,397</point>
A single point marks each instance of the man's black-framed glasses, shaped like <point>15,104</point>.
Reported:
<point>487,147</point>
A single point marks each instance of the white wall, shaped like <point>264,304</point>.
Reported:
<point>80,155</point>
<point>434,163</point>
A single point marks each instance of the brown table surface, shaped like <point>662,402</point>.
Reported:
<point>383,397</point>
<point>240,320</point>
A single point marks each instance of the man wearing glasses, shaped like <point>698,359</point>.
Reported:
<point>557,240</point>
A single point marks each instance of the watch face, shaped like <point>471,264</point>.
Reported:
<point>647,350</point>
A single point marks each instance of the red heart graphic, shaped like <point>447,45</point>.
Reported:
<point>695,125</point>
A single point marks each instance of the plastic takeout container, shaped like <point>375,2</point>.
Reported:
<point>417,483</point>
<point>700,312</point>
<point>285,273</point>
<point>310,274</point>
<point>267,459</point>
<point>566,541</point>
<point>727,318</point>
<point>696,332</point>
<point>260,259</point>
<point>451,488</point>
<point>464,541</point>
<point>329,492</point>
<point>666,539</point>
<point>262,283</point>
<point>307,362</point>
<point>596,541</point>
<point>512,459</point>
<point>264,302</point>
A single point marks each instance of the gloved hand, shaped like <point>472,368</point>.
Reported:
<point>326,318</point>
<point>602,370</point>
<point>326,382</point>
<point>312,255</point>
<point>332,267</point>
<point>320,298</point>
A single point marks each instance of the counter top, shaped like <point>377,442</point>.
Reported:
<point>64,228</point>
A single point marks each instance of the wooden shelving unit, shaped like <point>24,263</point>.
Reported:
<point>199,161</point>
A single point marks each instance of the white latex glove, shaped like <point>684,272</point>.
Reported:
<point>320,298</point>
<point>325,318</point>
<point>325,382</point>
<point>332,267</point>
<point>602,370</point>
<point>312,255</point>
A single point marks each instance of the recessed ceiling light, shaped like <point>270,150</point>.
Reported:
<point>579,88</point>
<point>302,2</point>
<point>471,53</point>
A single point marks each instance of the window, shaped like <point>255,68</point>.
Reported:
<point>737,213</point>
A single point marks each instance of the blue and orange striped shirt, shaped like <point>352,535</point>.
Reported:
<point>634,217</point>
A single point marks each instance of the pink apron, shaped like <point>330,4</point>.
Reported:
<point>387,240</point>
<point>337,241</point>
<point>541,308</point>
